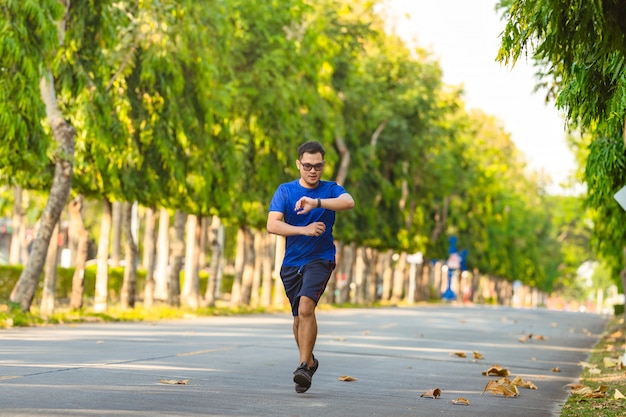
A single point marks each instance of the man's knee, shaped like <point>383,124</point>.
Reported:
<point>306,307</point>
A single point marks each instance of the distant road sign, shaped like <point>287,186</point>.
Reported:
<point>620,196</point>
<point>454,261</point>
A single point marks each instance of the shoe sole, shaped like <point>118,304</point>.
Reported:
<point>302,380</point>
<point>301,390</point>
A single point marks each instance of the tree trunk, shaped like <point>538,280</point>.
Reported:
<point>279,289</point>
<point>176,261</point>
<point>148,256</point>
<point>235,296</point>
<point>17,226</point>
<point>161,276</point>
<point>329,294</point>
<point>387,275</point>
<point>204,242</point>
<point>359,276</point>
<point>340,273</point>
<point>128,294</point>
<point>102,273</point>
<point>344,157</point>
<point>423,290</point>
<point>347,269</point>
<point>48,294</point>
<point>372,268</point>
<point>257,262</point>
<point>216,241</point>
<point>399,279</point>
<point>267,254</point>
<point>441,218</point>
<point>247,276</point>
<point>63,134</point>
<point>116,239</point>
<point>77,228</point>
<point>375,136</point>
<point>191,284</point>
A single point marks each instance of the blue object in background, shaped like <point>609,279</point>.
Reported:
<point>452,262</point>
<point>464,260</point>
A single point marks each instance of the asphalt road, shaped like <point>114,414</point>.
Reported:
<point>242,366</point>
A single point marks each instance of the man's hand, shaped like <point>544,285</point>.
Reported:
<point>314,229</point>
<point>305,204</point>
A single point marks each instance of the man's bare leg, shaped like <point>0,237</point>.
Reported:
<point>305,329</point>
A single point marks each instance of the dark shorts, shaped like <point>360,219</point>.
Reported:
<point>309,280</point>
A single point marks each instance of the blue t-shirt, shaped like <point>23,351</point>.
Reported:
<point>300,249</point>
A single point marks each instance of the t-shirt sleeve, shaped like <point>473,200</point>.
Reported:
<point>336,190</point>
<point>279,200</point>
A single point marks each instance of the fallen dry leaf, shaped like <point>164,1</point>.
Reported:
<point>504,388</point>
<point>478,355</point>
<point>595,371</point>
<point>556,369</point>
<point>524,339</point>
<point>519,382</point>
<point>496,370</point>
<point>459,354</point>
<point>618,395</point>
<point>540,337</point>
<point>175,381</point>
<point>611,362</point>
<point>433,393</point>
<point>460,401</point>
<point>347,378</point>
<point>585,391</point>
<point>598,393</point>
<point>573,386</point>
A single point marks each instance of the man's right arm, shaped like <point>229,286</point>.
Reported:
<point>277,226</point>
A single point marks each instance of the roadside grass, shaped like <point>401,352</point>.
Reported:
<point>11,314</point>
<point>604,373</point>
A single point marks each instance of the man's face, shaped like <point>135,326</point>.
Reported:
<point>311,166</point>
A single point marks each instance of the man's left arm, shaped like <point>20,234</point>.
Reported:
<point>341,203</point>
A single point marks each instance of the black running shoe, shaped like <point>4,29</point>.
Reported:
<point>304,375</point>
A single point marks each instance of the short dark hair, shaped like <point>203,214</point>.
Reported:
<point>311,147</point>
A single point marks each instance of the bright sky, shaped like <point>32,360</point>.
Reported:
<point>463,35</point>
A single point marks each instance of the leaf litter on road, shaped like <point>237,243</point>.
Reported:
<point>502,386</point>
<point>432,393</point>
<point>460,401</point>
<point>497,370</point>
<point>175,381</point>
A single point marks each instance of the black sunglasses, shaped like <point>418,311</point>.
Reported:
<point>308,167</point>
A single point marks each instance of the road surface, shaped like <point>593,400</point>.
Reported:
<point>242,365</point>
